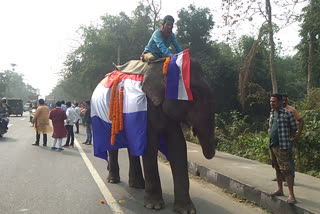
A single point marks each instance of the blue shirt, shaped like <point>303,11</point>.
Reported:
<point>159,47</point>
<point>274,136</point>
<point>286,125</point>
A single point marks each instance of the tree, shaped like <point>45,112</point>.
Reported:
<point>3,84</point>
<point>119,39</point>
<point>309,47</point>
<point>13,86</point>
<point>237,12</point>
<point>194,28</point>
<point>155,9</point>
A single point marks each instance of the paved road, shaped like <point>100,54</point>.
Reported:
<point>38,180</point>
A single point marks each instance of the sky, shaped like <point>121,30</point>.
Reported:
<point>37,35</point>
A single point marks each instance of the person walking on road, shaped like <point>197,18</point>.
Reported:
<point>41,123</point>
<point>78,114</point>
<point>87,122</point>
<point>282,127</point>
<point>58,115</point>
<point>71,116</point>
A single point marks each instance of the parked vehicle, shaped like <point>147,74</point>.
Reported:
<point>16,106</point>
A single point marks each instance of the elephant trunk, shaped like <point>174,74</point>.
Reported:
<point>209,148</point>
<point>207,141</point>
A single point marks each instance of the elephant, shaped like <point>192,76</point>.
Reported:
<point>164,118</point>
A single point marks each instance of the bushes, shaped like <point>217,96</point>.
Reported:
<point>237,135</point>
<point>307,147</point>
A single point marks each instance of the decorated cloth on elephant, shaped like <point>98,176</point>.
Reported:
<point>134,135</point>
<point>178,77</point>
<point>134,104</point>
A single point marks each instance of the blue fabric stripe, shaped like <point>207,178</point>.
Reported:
<point>134,135</point>
<point>173,74</point>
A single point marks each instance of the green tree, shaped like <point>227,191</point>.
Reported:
<point>194,28</point>
<point>309,46</point>
<point>119,39</point>
<point>13,86</point>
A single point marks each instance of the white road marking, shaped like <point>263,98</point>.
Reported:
<point>113,204</point>
<point>22,118</point>
<point>10,125</point>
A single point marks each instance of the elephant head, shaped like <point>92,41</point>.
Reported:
<point>198,113</point>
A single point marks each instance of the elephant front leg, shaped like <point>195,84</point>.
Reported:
<point>113,176</point>
<point>136,179</point>
<point>179,166</point>
<point>153,192</point>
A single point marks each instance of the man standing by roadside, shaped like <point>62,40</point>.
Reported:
<point>71,116</point>
<point>282,127</point>
<point>78,113</point>
<point>300,121</point>
<point>88,124</point>
<point>41,123</point>
<point>57,115</point>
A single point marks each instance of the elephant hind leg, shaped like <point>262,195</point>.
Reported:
<point>113,176</point>
<point>136,179</point>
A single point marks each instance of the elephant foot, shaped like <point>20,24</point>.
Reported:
<point>113,178</point>
<point>155,203</point>
<point>137,183</point>
<point>184,208</point>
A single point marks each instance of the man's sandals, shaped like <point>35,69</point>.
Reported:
<point>276,193</point>
<point>289,200</point>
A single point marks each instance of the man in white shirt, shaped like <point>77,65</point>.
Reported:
<point>71,117</point>
<point>78,113</point>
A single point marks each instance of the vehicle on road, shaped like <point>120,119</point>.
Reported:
<point>3,124</point>
<point>26,107</point>
<point>16,106</point>
<point>32,112</point>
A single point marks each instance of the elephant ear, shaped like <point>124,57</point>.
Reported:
<point>154,83</point>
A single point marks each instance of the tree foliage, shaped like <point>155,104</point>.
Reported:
<point>122,38</point>
<point>309,46</point>
<point>12,85</point>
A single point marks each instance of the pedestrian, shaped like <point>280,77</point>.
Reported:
<point>71,116</point>
<point>78,114</point>
<point>57,115</point>
<point>41,123</point>
<point>88,124</point>
<point>63,106</point>
<point>300,121</point>
<point>160,41</point>
<point>282,127</point>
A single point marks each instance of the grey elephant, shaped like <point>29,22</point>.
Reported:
<point>164,118</point>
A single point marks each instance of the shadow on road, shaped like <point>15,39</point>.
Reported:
<point>5,139</point>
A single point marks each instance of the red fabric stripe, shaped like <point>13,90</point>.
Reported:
<point>108,80</point>
<point>186,72</point>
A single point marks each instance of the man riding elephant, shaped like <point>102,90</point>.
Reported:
<point>160,41</point>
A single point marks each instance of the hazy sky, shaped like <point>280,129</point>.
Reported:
<point>38,34</point>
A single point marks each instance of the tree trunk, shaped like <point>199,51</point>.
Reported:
<point>310,60</point>
<point>310,57</point>
<point>272,48</point>
<point>246,69</point>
